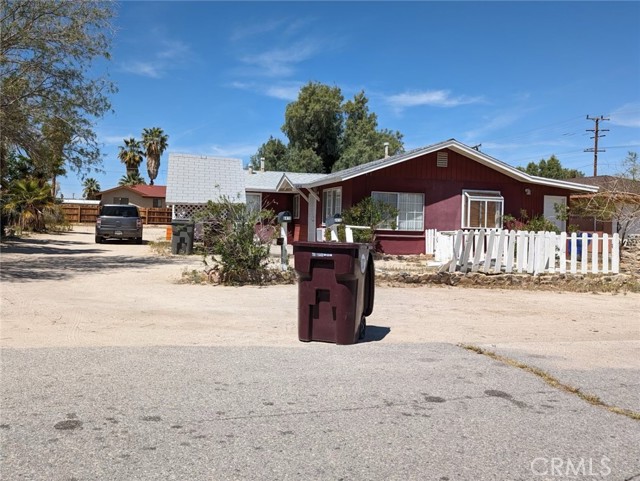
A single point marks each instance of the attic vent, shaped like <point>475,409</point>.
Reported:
<point>442,159</point>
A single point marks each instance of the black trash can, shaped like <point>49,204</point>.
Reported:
<point>182,233</point>
<point>336,290</point>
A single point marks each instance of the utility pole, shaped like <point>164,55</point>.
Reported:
<point>596,135</point>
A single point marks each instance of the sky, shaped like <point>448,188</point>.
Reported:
<point>519,78</point>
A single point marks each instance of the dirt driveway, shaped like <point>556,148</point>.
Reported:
<point>65,291</point>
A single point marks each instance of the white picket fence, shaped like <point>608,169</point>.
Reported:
<point>495,251</point>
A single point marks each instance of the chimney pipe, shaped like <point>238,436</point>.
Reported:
<point>250,170</point>
<point>386,150</point>
<point>261,164</point>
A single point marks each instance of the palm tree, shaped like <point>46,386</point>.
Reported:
<point>91,188</point>
<point>131,155</point>
<point>26,203</point>
<point>131,179</point>
<point>154,141</point>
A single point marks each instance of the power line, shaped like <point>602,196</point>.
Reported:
<point>596,136</point>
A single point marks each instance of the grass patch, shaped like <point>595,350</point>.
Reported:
<point>553,381</point>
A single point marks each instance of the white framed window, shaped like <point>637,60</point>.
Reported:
<point>157,202</point>
<point>121,200</point>
<point>254,202</point>
<point>296,206</point>
<point>482,209</point>
<point>410,208</point>
<point>331,203</point>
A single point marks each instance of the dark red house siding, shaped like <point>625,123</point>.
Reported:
<point>442,188</point>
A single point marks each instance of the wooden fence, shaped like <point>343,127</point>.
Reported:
<point>82,213</point>
<point>496,251</point>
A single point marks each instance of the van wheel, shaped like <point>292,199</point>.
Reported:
<point>138,240</point>
<point>99,240</point>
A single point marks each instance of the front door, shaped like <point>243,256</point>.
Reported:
<point>550,202</point>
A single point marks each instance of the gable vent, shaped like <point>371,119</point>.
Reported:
<point>442,159</point>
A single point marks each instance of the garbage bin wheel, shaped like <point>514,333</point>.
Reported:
<point>363,328</point>
<point>138,240</point>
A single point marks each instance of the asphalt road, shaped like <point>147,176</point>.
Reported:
<point>317,411</point>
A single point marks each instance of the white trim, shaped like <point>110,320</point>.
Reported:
<point>467,197</point>
<point>250,194</point>
<point>473,154</point>
<point>295,212</point>
<point>324,207</point>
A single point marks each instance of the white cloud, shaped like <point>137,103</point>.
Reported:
<point>172,54</point>
<point>234,150</point>
<point>434,98</point>
<point>626,116</point>
<point>280,90</point>
<point>280,62</point>
<point>114,139</point>
<point>144,69</point>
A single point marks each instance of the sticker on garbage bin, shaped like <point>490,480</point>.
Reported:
<point>363,262</point>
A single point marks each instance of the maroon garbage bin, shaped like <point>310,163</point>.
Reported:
<point>336,289</point>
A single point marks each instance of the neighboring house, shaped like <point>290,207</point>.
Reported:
<point>141,195</point>
<point>193,180</point>
<point>623,193</point>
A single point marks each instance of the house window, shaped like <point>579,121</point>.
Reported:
<point>254,202</point>
<point>296,206</point>
<point>482,209</point>
<point>121,200</point>
<point>410,209</point>
<point>157,202</point>
<point>331,203</point>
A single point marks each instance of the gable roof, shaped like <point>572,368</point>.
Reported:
<point>196,179</point>
<point>455,146</point>
<point>143,190</point>
<point>270,181</point>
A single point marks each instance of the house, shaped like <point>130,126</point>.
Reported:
<point>445,186</point>
<point>140,195</point>
<point>193,180</point>
<point>618,196</point>
<point>274,190</point>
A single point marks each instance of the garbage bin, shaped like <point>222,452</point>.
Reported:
<point>182,236</point>
<point>579,245</point>
<point>336,290</point>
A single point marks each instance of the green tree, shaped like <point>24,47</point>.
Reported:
<point>326,135</point>
<point>26,204</point>
<point>155,143</point>
<point>46,53</point>
<point>314,121</point>
<point>362,142</point>
<point>131,179</point>
<point>274,153</point>
<point>130,155</point>
<point>551,169</point>
<point>91,187</point>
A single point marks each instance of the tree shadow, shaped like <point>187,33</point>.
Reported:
<point>375,333</point>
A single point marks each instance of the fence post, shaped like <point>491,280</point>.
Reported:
<point>479,251</point>
<point>552,243</point>
<point>563,253</point>
<point>594,254</point>
<point>489,255</point>
<point>615,254</point>
<point>531,255</point>
<point>511,251</point>
<point>584,253</point>
<point>467,251</point>
<point>605,253</point>
<point>574,253</point>
<point>501,252</point>
<point>456,251</point>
